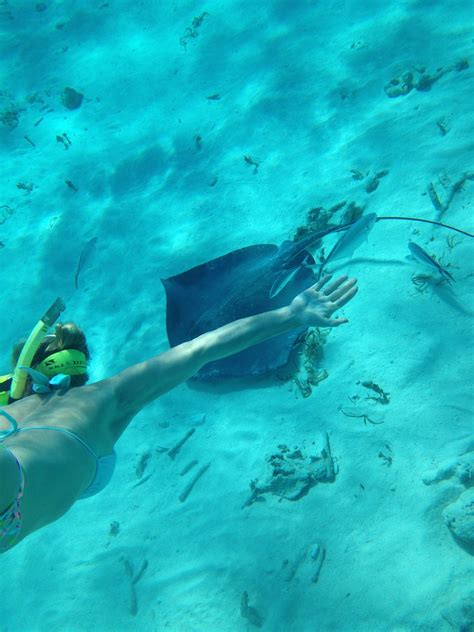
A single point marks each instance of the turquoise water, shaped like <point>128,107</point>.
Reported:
<point>174,133</point>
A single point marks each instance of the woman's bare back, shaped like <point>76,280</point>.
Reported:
<point>57,468</point>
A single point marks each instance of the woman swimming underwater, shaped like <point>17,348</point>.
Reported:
<point>57,434</point>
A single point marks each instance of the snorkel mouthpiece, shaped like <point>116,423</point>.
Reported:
<point>42,384</point>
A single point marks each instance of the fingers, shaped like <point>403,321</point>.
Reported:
<point>321,283</point>
<point>335,322</point>
<point>339,293</point>
<point>347,296</point>
<point>332,287</point>
<point>337,290</point>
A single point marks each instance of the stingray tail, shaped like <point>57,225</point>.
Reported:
<point>426,221</point>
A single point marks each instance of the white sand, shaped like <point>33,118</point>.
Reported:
<point>301,91</point>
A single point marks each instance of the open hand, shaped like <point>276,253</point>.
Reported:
<point>315,306</point>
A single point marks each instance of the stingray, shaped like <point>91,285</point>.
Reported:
<point>249,281</point>
<point>242,283</point>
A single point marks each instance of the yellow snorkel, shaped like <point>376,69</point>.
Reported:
<point>31,347</point>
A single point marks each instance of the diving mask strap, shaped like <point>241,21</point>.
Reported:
<point>41,384</point>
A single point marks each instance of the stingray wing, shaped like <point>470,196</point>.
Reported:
<point>216,292</point>
<point>227,288</point>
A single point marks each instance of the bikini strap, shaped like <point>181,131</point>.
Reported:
<point>13,425</point>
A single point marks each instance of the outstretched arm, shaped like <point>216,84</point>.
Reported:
<point>142,383</point>
<point>312,308</point>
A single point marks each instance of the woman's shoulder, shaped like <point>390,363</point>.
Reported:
<point>24,407</point>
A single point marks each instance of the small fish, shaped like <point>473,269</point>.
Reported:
<point>351,240</point>
<point>426,260</point>
<point>85,256</point>
<point>282,281</point>
<point>293,256</point>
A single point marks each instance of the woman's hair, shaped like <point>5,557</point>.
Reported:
<point>66,336</point>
